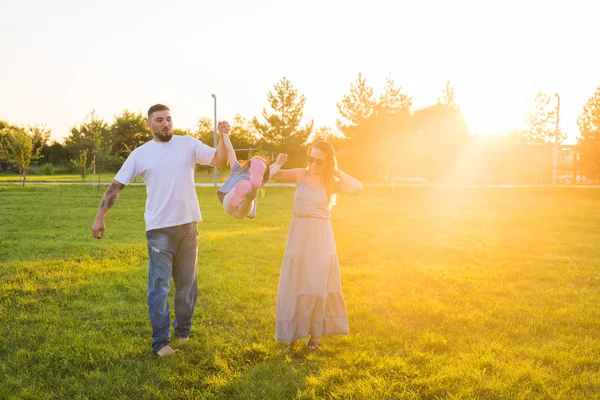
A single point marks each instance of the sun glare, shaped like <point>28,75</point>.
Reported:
<point>495,115</point>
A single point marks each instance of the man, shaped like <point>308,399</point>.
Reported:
<point>167,165</point>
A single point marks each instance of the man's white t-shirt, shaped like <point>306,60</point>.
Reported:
<point>167,168</point>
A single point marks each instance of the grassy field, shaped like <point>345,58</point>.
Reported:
<point>104,178</point>
<point>454,294</point>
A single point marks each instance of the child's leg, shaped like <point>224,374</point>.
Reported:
<point>242,191</point>
<point>253,212</point>
<point>257,169</point>
<point>239,202</point>
<point>250,188</point>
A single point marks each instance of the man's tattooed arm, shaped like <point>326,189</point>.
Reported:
<point>110,196</point>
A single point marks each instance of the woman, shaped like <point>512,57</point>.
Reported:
<point>310,301</point>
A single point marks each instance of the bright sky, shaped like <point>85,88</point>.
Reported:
<point>63,58</point>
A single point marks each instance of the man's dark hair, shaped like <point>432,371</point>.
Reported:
<point>157,107</point>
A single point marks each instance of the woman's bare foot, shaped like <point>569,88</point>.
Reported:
<point>166,351</point>
<point>290,347</point>
<point>313,344</point>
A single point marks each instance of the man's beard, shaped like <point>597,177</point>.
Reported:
<point>163,135</point>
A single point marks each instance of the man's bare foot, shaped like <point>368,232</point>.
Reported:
<point>166,351</point>
<point>182,339</point>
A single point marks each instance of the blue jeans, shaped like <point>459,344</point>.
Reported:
<point>172,251</point>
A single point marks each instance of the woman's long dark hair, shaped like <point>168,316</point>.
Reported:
<point>329,169</point>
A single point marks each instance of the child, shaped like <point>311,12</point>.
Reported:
<point>239,192</point>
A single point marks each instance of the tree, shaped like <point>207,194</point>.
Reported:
<point>205,131</point>
<point>448,97</point>
<point>55,153</point>
<point>95,138</point>
<point>182,132</point>
<point>327,133</point>
<point>356,109</point>
<point>442,135</point>
<point>281,131</point>
<point>396,141</point>
<point>18,150</point>
<point>321,133</point>
<point>3,141</point>
<point>81,165</point>
<point>538,132</point>
<point>243,137</point>
<point>380,134</point>
<point>104,160</point>
<point>128,132</point>
<point>4,164</point>
<point>539,123</point>
<point>393,101</point>
<point>589,141</point>
<point>357,106</point>
<point>88,136</point>
<point>39,136</point>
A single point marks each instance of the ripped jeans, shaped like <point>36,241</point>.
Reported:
<point>172,251</point>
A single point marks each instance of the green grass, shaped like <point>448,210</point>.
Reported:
<point>104,178</point>
<point>476,293</point>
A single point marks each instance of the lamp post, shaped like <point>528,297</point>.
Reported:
<point>215,134</point>
<point>556,140</point>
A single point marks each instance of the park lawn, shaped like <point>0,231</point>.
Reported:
<point>451,293</point>
<point>5,177</point>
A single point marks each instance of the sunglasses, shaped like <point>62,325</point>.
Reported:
<point>317,161</point>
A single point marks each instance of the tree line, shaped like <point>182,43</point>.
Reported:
<point>376,137</point>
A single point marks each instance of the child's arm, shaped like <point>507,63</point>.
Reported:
<point>284,175</point>
<point>224,131</point>
<point>276,166</point>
